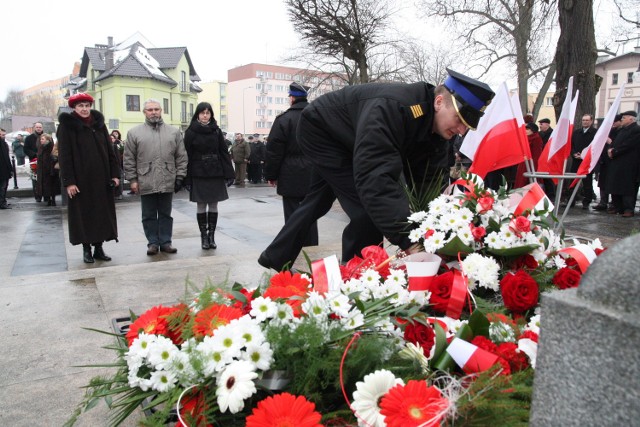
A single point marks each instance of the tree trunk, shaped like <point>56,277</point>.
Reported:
<point>576,55</point>
<point>521,36</point>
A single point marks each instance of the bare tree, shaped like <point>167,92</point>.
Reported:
<point>347,34</point>
<point>576,55</point>
<point>41,104</point>
<point>426,62</point>
<point>12,104</point>
<point>517,31</point>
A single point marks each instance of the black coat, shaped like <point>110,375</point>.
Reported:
<point>285,162</point>
<point>623,170</point>
<point>207,153</point>
<point>48,183</point>
<point>579,141</point>
<point>258,151</point>
<point>88,161</point>
<point>31,143</point>
<point>377,131</point>
<point>6,169</point>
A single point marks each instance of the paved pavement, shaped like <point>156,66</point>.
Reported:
<point>48,295</point>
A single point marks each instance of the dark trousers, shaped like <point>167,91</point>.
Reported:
<point>587,190</point>
<point>156,217</point>
<point>4,184</point>
<point>289,205</point>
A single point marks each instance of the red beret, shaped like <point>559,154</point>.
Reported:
<point>79,97</point>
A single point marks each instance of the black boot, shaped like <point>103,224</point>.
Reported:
<point>213,221</point>
<point>98,253</point>
<point>86,254</point>
<point>202,224</point>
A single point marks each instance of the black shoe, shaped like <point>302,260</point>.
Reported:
<point>600,207</point>
<point>86,254</point>
<point>264,261</point>
<point>99,254</point>
<point>168,248</point>
<point>585,206</point>
<point>5,207</point>
<point>152,250</point>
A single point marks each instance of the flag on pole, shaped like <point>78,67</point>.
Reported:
<point>583,254</point>
<point>497,142</point>
<point>591,154</point>
<point>558,148</point>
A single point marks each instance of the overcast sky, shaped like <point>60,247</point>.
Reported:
<point>41,39</point>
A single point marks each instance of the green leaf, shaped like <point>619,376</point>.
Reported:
<point>445,362</point>
<point>479,324</point>
<point>453,247</point>
<point>513,252</point>
<point>441,341</point>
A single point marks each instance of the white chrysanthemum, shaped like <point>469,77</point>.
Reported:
<point>417,216</point>
<point>369,277</point>
<point>417,297</point>
<point>181,367</point>
<point>235,384</point>
<point>481,271</point>
<point>160,352</point>
<point>213,355</point>
<point>351,286</point>
<point>262,308</point>
<point>396,276</point>
<point>368,394</point>
<point>453,221</point>
<point>440,204</point>
<point>307,278</point>
<point>315,305</point>
<point>249,329</point>
<point>162,381</point>
<point>339,304</point>
<point>501,332</point>
<point>260,355</point>
<point>454,325</point>
<point>227,338</point>
<point>415,235</point>
<point>434,242</point>
<point>140,346</point>
<point>354,320</point>
<point>284,314</point>
<point>464,234</point>
<point>534,324</point>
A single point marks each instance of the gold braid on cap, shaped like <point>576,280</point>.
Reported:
<point>455,105</point>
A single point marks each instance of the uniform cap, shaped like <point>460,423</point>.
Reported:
<point>297,90</point>
<point>629,113</point>
<point>79,97</point>
<point>544,121</point>
<point>471,97</point>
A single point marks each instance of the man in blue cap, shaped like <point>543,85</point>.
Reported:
<point>361,140</point>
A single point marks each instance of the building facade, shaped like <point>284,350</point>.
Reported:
<point>616,71</point>
<point>257,93</point>
<point>215,93</point>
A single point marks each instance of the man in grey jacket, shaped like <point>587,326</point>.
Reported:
<point>155,163</point>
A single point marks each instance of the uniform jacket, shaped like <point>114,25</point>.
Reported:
<point>257,152</point>
<point>623,169</point>
<point>240,151</point>
<point>207,152</point>
<point>87,160</point>
<point>380,131</point>
<point>285,162</point>
<point>154,156</point>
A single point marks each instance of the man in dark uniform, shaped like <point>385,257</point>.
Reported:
<point>623,170</point>
<point>286,167</point>
<point>360,140</point>
<point>580,139</point>
<point>600,170</point>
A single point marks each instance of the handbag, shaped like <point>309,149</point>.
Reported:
<point>456,170</point>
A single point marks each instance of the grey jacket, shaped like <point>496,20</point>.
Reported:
<point>154,156</point>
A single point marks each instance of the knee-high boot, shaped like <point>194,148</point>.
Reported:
<point>202,225</point>
<point>86,253</point>
<point>213,222</point>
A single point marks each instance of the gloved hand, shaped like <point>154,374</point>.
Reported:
<point>178,185</point>
<point>188,187</point>
<point>230,182</point>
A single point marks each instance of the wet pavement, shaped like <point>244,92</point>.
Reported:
<point>48,295</point>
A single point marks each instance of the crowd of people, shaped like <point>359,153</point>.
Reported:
<point>360,145</point>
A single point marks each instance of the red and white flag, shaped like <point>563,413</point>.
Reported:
<point>531,197</point>
<point>326,274</point>
<point>558,148</point>
<point>471,358</point>
<point>500,139</point>
<point>422,268</point>
<point>583,254</point>
<point>591,154</point>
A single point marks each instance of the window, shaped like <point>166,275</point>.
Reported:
<point>114,124</point>
<point>165,105</point>
<point>548,101</point>
<point>614,79</point>
<point>629,77</point>
<point>281,88</point>
<point>260,112</point>
<point>183,111</point>
<point>183,81</point>
<point>133,102</point>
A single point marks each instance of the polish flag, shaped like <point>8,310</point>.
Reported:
<point>500,139</point>
<point>326,275</point>
<point>558,149</point>
<point>583,254</point>
<point>591,154</point>
<point>421,270</point>
<point>531,197</point>
<point>471,358</point>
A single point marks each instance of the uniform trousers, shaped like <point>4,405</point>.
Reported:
<point>289,205</point>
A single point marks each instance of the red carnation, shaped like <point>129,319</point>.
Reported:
<point>484,343</point>
<point>441,291</point>
<point>525,261</point>
<point>519,291</point>
<point>566,278</point>
<point>422,335</point>
<point>530,335</point>
<point>517,360</point>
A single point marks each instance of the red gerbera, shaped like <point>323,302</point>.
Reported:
<point>285,285</point>
<point>152,321</point>
<point>212,317</point>
<point>284,410</point>
<point>413,404</point>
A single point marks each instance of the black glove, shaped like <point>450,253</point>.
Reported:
<point>178,185</point>
<point>230,182</point>
<point>188,187</point>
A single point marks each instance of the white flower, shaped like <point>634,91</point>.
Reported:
<point>369,393</point>
<point>500,332</point>
<point>534,324</point>
<point>162,381</point>
<point>180,366</point>
<point>339,304</point>
<point>160,352</point>
<point>369,277</point>
<point>235,384</point>
<point>481,271</point>
<point>249,329</point>
<point>396,276</point>
<point>434,242</point>
<point>260,355</point>
<point>415,235</point>
<point>315,305</point>
<point>530,348</point>
<point>354,320</point>
<point>263,308</point>
<point>140,346</point>
<point>284,314</point>
<point>417,216</point>
<point>214,356</point>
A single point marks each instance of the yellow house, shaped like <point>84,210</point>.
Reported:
<point>122,77</point>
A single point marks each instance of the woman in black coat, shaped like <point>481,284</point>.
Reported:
<point>209,170</point>
<point>89,172</point>
<point>48,181</point>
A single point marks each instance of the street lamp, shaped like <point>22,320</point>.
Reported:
<point>244,122</point>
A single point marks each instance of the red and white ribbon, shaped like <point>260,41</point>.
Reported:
<point>583,254</point>
<point>530,197</point>
<point>422,268</point>
<point>458,296</point>
<point>326,275</point>
<point>469,357</point>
